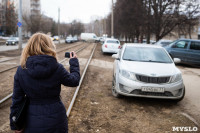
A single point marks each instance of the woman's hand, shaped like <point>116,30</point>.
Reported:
<point>74,55</point>
<point>21,131</point>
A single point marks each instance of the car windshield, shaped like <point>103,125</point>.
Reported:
<point>12,38</point>
<point>144,54</point>
<point>165,43</point>
<point>113,41</point>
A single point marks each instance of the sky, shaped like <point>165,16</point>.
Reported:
<point>82,10</point>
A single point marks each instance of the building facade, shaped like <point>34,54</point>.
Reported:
<point>30,8</point>
<point>7,17</point>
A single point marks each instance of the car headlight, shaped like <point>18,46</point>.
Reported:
<point>128,75</point>
<point>176,78</point>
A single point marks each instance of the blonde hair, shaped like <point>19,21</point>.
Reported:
<point>38,44</point>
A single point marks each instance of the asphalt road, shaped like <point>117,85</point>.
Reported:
<point>6,48</point>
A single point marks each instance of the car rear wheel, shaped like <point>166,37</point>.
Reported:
<point>114,92</point>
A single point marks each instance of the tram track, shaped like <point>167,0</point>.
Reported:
<point>7,78</point>
<point>61,61</point>
<point>18,57</point>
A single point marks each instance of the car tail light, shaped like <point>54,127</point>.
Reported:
<point>106,46</point>
<point>119,47</point>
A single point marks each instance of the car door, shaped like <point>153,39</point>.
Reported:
<point>193,55</point>
<point>180,49</point>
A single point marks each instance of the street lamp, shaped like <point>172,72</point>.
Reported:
<point>20,27</point>
<point>112,21</point>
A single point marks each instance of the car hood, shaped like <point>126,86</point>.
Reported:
<point>11,40</point>
<point>150,68</point>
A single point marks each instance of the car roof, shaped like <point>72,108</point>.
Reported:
<point>142,45</point>
<point>189,39</point>
<point>164,40</point>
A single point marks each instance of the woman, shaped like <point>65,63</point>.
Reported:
<point>39,78</point>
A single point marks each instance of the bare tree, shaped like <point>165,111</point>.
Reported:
<point>143,18</point>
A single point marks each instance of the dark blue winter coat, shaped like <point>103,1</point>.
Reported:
<point>41,83</point>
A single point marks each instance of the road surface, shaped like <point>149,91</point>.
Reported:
<point>6,48</point>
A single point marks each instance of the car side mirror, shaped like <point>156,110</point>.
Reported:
<point>115,56</point>
<point>177,60</point>
<point>174,46</point>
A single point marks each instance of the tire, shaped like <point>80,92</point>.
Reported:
<point>114,92</point>
<point>178,100</point>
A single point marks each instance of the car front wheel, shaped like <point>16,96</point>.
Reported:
<point>114,92</point>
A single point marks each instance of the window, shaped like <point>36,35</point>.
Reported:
<point>146,54</point>
<point>181,44</point>
<point>195,45</point>
<point>112,41</point>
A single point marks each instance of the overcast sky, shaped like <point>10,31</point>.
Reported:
<point>83,10</point>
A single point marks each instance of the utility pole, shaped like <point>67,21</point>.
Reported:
<point>59,24</point>
<point>112,22</point>
<point>20,27</point>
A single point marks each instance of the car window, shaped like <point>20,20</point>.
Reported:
<point>165,43</point>
<point>181,44</point>
<point>195,45</point>
<point>143,54</point>
<point>113,41</point>
<point>12,38</point>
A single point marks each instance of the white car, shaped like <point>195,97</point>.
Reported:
<point>146,71</point>
<point>69,40</point>
<point>163,42</point>
<point>111,46</point>
<point>56,38</point>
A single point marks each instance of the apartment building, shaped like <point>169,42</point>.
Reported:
<point>29,7</point>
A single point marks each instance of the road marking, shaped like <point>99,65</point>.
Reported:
<point>190,118</point>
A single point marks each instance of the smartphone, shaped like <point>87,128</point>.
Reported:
<point>67,54</point>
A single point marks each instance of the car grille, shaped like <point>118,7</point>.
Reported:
<point>139,92</point>
<point>157,80</point>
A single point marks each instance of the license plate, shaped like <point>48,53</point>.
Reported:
<point>153,89</point>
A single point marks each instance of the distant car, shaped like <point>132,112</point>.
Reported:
<point>111,46</point>
<point>102,39</point>
<point>152,42</point>
<point>56,38</point>
<point>75,38</point>
<point>187,50</point>
<point>144,41</point>
<point>69,40</point>
<point>12,41</point>
<point>99,39</point>
<point>163,42</point>
<point>88,37</point>
<point>146,71</point>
